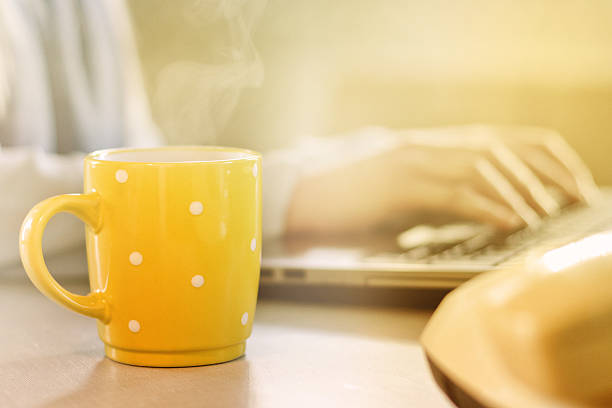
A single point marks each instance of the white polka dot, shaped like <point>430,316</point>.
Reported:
<point>197,281</point>
<point>121,176</point>
<point>255,170</point>
<point>222,229</point>
<point>227,172</point>
<point>196,207</point>
<point>253,244</point>
<point>225,193</point>
<point>135,258</point>
<point>244,319</point>
<point>134,326</point>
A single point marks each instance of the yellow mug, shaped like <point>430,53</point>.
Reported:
<point>173,239</point>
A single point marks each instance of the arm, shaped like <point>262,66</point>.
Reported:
<point>286,170</point>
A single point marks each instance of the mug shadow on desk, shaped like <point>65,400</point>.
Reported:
<point>114,384</point>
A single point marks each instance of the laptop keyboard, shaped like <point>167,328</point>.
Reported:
<point>489,247</point>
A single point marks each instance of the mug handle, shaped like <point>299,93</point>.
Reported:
<point>87,208</point>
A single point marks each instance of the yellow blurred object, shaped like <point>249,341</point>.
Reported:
<point>536,336</point>
<point>174,248</point>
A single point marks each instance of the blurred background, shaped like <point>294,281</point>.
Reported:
<point>336,66</point>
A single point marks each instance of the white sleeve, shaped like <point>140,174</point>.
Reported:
<point>282,169</point>
<point>28,176</point>
<point>280,174</point>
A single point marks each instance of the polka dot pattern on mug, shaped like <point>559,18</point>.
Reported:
<point>245,318</point>
<point>196,207</point>
<point>134,326</point>
<point>135,258</point>
<point>197,281</point>
<point>255,169</point>
<point>121,176</point>
<point>253,244</point>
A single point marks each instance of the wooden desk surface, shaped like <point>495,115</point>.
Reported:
<point>300,355</point>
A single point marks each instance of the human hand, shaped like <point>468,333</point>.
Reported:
<point>496,175</point>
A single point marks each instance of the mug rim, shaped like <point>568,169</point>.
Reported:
<point>99,155</point>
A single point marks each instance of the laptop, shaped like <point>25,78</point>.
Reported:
<point>424,256</point>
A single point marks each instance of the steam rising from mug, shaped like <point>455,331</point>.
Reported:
<point>194,100</point>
